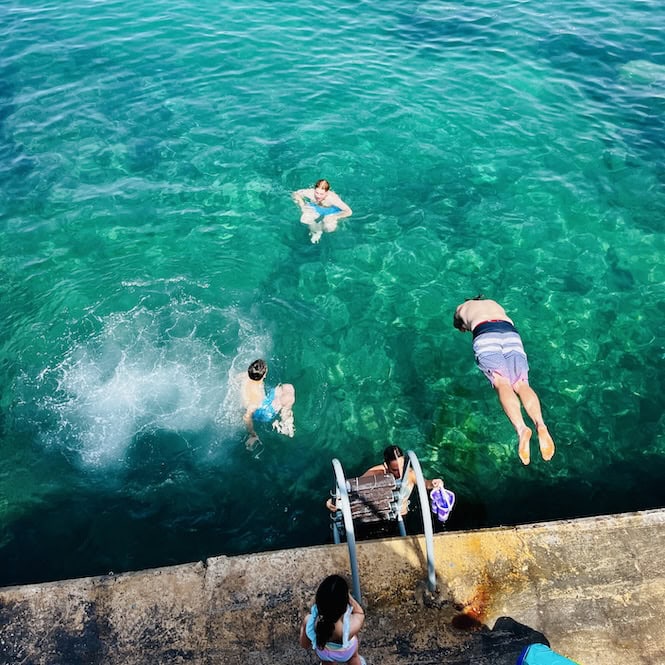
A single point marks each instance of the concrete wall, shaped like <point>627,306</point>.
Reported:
<point>594,587</point>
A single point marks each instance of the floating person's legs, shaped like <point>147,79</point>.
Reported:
<point>315,233</point>
<point>330,223</point>
<point>309,218</point>
<point>285,397</point>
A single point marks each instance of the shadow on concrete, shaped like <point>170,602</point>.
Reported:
<point>504,644</point>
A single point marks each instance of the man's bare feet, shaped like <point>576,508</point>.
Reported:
<point>546,443</point>
<point>525,448</point>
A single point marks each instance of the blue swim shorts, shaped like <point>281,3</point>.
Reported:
<point>266,412</point>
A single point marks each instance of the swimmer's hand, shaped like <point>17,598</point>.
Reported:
<point>331,506</point>
<point>252,442</point>
<point>436,483</point>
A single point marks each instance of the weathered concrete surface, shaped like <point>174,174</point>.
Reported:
<point>594,587</point>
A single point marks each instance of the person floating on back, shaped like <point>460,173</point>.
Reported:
<point>501,357</point>
<point>320,201</point>
<point>271,406</point>
<point>332,626</point>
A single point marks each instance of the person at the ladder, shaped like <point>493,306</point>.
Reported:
<point>393,464</point>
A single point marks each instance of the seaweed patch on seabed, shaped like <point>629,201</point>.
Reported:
<point>606,74</point>
<point>578,55</point>
<point>619,277</point>
<point>10,151</point>
<point>7,93</point>
<point>594,66</point>
<point>445,30</point>
<point>143,155</point>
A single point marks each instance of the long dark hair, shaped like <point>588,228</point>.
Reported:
<point>392,453</point>
<point>332,598</point>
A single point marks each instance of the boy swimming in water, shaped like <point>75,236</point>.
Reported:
<point>320,201</point>
<point>273,405</point>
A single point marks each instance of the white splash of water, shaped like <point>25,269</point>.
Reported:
<point>145,372</point>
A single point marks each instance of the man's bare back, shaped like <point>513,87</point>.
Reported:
<point>473,312</point>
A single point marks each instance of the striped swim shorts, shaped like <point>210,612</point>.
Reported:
<point>498,349</point>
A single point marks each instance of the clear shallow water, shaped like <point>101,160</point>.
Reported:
<point>150,250</point>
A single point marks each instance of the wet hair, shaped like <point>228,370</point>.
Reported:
<point>322,183</point>
<point>257,370</point>
<point>332,598</point>
<point>392,453</point>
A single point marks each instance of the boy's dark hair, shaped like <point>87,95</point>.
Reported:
<point>257,370</point>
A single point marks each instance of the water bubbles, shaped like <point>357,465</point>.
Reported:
<point>148,372</point>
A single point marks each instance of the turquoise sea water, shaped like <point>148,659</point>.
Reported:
<point>150,251</point>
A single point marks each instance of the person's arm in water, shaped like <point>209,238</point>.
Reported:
<point>376,470</point>
<point>247,419</point>
<point>335,200</point>
<point>300,195</point>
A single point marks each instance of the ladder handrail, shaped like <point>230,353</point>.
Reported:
<point>348,526</point>
<point>412,461</point>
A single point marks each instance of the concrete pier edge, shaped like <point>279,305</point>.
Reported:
<point>594,587</point>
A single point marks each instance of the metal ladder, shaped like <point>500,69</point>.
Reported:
<point>344,505</point>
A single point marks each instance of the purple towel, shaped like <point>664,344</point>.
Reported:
<point>442,501</point>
